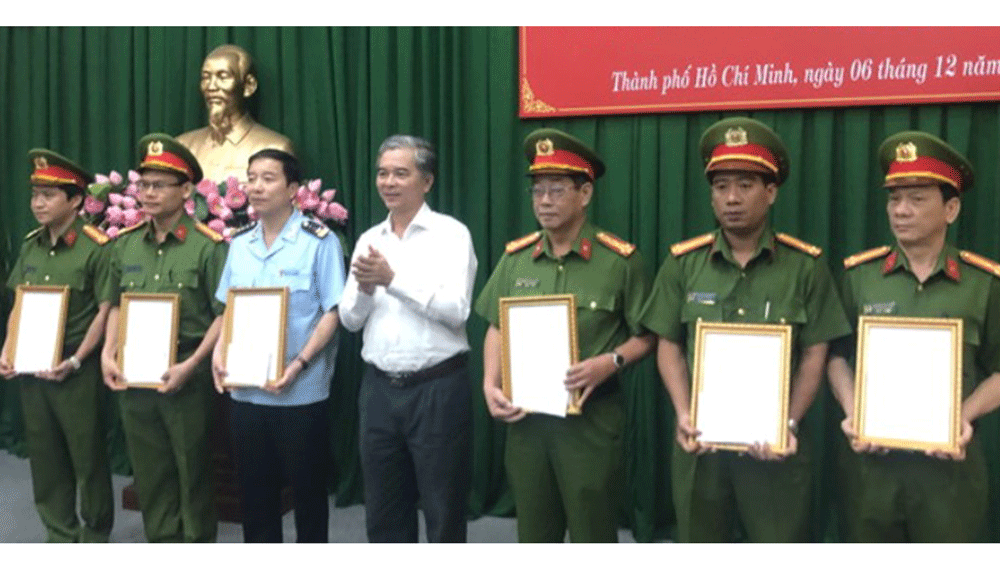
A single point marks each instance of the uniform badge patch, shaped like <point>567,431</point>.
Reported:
<point>702,298</point>
<point>886,308</point>
<point>526,282</point>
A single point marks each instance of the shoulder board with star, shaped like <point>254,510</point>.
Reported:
<point>981,262</point>
<point>95,234</point>
<point>33,233</point>
<point>523,242</point>
<point>616,244</point>
<point>800,245</point>
<point>244,229</point>
<point>865,256</point>
<point>681,248</point>
<point>315,228</point>
<point>208,232</point>
<point>132,228</point>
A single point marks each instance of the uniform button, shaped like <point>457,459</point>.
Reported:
<point>180,285</point>
<point>46,278</point>
<point>560,268</point>
<point>52,253</point>
<point>920,287</point>
<point>741,311</point>
<point>131,284</point>
<point>593,304</point>
<point>743,274</point>
<point>160,252</point>
<point>156,276</point>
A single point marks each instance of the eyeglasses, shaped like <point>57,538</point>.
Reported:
<point>155,186</point>
<point>556,193</point>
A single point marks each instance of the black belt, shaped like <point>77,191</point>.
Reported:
<point>408,378</point>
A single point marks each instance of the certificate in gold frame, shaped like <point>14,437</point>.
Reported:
<point>58,293</point>
<point>565,311</point>
<point>236,294</point>
<point>125,332</point>
<point>929,377</point>
<point>726,415</point>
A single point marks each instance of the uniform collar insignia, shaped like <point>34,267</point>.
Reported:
<point>70,236</point>
<point>181,232</point>
<point>585,249</point>
<point>538,249</point>
<point>951,269</point>
<point>890,262</point>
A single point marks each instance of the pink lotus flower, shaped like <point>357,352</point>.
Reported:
<point>320,210</point>
<point>132,217</point>
<point>214,199</point>
<point>328,195</point>
<point>111,231</point>
<point>133,176</point>
<point>337,212</point>
<point>101,179</point>
<point>236,198</point>
<point>314,185</point>
<point>115,215</point>
<point>232,183</point>
<point>189,207</point>
<point>132,190</point>
<point>115,198</point>
<point>309,202</point>
<point>207,186</point>
<point>93,205</point>
<point>252,213</point>
<point>128,202</point>
<point>217,225</point>
<point>224,213</point>
<point>115,177</point>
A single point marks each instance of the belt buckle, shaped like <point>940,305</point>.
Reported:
<point>399,378</point>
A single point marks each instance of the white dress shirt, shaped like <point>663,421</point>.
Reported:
<point>419,319</point>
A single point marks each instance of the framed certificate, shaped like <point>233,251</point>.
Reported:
<point>740,385</point>
<point>147,337</point>
<point>253,335</point>
<point>538,345</point>
<point>908,382</point>
<point>39,326</point>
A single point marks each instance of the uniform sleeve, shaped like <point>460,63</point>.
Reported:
<point>16,276</point>
<point>637,284</point>
<point>329,272</point>
<point>988,355</point>
<point>101,274</point>
<point>845,345</point>
<point>824,312</point>
<point>225,279</point>
<point>115,271</point>
<point>214,264</point>
<point>488,303</point>
<point>662,310</point>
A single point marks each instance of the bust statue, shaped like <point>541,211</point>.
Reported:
<point>228,79</point>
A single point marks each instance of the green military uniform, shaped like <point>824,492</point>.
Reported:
<point>169,436</point>
<point>64,421</point>
<point>902,495</point>
<point>566,473</point>
<point>785,282</point>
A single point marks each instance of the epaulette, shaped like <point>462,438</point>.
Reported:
<point>981,262</point>
<point>616,244</point>
<point>523,242</point>
<point>96,234</point>
<point>686,246</point>
<point>33,233</point>
<point>132,228</point>
<point>800,245</point>
<point>315,228</point>
<point>865,256</point>
<point>208,232</point>
<point>244,229</point>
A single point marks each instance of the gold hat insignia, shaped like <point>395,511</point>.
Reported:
<point>155,148</point>
<point>41,163</point>
<point>544,148</point>
<point>736,136</point>
<point>906,152</point>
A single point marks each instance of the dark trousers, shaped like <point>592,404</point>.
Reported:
<point>278,445</point>
<point>415,445</point>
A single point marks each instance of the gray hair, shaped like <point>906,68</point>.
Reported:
<point>423,151</point>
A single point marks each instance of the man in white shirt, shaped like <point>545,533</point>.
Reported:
<point>410,287</point>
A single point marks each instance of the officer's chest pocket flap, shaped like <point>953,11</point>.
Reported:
<point>296,280</point>
<point>184,279</point>
<point>75,279</point>
<point>604,303</point>
<point>790,312</point>
<point>693,311</point>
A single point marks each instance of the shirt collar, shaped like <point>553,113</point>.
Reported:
<point>181,230</point>
<point>423,220</point>
<point>582,246</point>
<point>68,238</point>
<point>765,246</point>
<point>240,129</point>
<point>947,263</point>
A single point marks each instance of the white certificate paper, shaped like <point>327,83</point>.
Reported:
<point>255,327</point>
<point>39,328</point>
<point>149,340</point>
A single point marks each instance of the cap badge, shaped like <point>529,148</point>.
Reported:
<point>155,148</point>
<point>736,136</point>
<point>41,163</point>
<point>906,152</point>
<point>544,148</point>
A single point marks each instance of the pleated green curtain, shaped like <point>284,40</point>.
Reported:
<point>338,92</point>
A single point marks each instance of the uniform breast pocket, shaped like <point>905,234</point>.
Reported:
<point>693,311</point>
<point>133,279</point>
<point>595,311</point>
<point>76,279</point>
<point>791,312</point>
<point>302,297</point>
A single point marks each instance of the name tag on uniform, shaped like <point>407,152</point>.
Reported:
<point>288,272</point>
<point>886,308</point>
<point>702,298</point>
<point>526,282</point>
<point>132,268</point>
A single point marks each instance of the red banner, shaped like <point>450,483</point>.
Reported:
<point>616,70</point>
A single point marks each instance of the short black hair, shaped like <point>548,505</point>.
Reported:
<point>289,164</point>
<point>73,190</point>
<point>948,192</point>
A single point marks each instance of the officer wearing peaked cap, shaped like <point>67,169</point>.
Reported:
<point>743,272</point>
<point>63,407</point>
<point>168,428</point>
<point>921,496</point>
<point>566,473</point>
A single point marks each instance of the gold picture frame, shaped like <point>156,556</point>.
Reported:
<point>928,376</point>
<point>39,311</point>
<point>265,309</point>
<point>148,325</point>
<point>739,370</point>
<point>538,344</point>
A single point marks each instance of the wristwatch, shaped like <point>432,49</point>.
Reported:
<point>793,426</point>
<point>618,359</point>
<point>73,362</point>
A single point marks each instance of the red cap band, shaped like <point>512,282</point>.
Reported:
<point>56,175</point>
<point>168,161</point>
<point>749,152</point>
<point>561,160</point>
<point>925,166</point>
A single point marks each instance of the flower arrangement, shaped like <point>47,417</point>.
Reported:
<point>112,204</point>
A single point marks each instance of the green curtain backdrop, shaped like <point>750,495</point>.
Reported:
<point>91,93</point>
